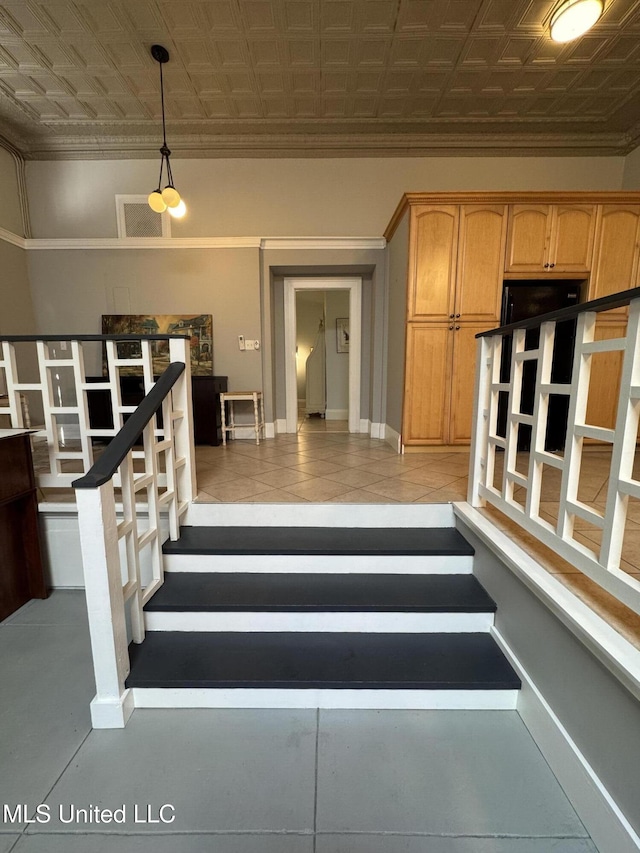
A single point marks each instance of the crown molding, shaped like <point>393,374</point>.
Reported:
<point>262,243</point>
<point>345,143</point>
<point>14,239</point>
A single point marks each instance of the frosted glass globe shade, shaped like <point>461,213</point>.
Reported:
<point>171,197</point>
<point>574,18</point>
<point>179,211</point>
<point>156,202</point>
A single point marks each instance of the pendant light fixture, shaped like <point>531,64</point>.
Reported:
<point>169,197</point>
<point>575,17</point>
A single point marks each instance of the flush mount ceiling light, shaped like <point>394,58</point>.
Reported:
<point>575,17</point>
<point>169,197</point>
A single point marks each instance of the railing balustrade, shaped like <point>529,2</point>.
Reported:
<point>511,479</point>
<point>58,390</point>
<point>121,554</point>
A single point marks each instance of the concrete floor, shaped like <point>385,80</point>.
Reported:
<point>257,781</point>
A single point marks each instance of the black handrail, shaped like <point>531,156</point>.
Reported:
<point>107,465</point>
<point>606,303</point>
<point>141,337</point>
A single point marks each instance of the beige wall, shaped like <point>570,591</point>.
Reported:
<point>289,197</point>
<point>337,305</point>
<point>631,177</point>
<point>10,215</point>
<point>72,289</point>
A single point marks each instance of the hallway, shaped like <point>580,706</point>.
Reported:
<point>261,781</point>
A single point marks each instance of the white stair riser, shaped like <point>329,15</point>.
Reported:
<point>320,515</point>
<point>445,700</point>
<point>377,623</point>
<point>322,564</point>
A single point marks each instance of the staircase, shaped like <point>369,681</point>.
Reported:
<point>255,614</point>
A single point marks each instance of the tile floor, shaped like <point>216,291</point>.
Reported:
<point>256,781</point>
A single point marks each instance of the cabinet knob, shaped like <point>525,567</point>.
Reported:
<point>546,266</point>
<point>457,327</point>
<point>451,316</point>
<point>457,316</point>
<point>552,265</point>
<point>451,328</point>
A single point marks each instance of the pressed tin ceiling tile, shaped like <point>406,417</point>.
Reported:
<point>372,68</point>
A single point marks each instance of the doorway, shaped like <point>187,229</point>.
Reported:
<point>347,343</point>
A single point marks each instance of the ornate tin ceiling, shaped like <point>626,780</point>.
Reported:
<point>315,77</point>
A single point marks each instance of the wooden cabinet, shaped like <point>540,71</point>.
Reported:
<point>455,282</point>
<point>550,238</point>
<point>616,259</point>
<point>459,246</point>
<point>21,572</point>
<point>481,247</point>
<point>433,246</point>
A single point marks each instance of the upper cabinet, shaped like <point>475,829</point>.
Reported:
<point>483,234</point>
<point>616,259</point>
<point>550,238</point>
<point>433,245</point>
<point>456,260</point>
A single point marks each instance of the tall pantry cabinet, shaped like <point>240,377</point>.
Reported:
<point>460,250</point>
<point>454,292</point>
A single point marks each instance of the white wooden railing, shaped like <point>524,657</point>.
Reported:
<point>512,481</point>
<point>127,496</point>
<point>47,375</point>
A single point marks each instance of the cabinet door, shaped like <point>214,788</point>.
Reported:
<point>463,380</point>
<point>426,384</point>
<point>606,372</point>
<point>483,232</point>
<point>615,259</point>
<point>527,242</point>
<point>572,233</point>
<point>432,252</point>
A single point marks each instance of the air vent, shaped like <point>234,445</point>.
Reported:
<point>136,219</point>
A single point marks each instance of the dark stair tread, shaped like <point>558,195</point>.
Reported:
<point>443,541</point>
<point>221,591</point>
<point>320,660</point>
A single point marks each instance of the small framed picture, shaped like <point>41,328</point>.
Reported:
<point>342,334</point>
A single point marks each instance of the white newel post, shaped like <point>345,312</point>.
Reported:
<point>113,704</point>
<point>480,422</point>
<point>179,350</point>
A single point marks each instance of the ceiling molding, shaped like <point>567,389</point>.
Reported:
<point>129,243</point>
<point>14,239</point>
<point>343,145</point>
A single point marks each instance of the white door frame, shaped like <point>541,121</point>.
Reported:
<point>354,286</point>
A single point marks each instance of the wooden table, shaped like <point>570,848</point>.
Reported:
<point>21,572</point>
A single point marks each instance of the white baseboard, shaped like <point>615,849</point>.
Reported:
<point>376,430</point>
<point>280,425</point>
<point>270,430</point>
<point>393,438</point>
<point>594,805</point>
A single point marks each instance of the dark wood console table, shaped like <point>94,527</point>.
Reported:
<point>21,573</point>
<point>205,392</point>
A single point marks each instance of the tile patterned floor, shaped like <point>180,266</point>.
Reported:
<point>326,465</point>
<point>260,781</point>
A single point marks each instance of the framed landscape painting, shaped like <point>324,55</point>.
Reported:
<point>199,328</point>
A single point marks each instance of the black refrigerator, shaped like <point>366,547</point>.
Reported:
<point>522,300</point>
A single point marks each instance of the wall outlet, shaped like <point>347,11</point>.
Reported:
<point>250,345</point>
<point>241,343</point>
